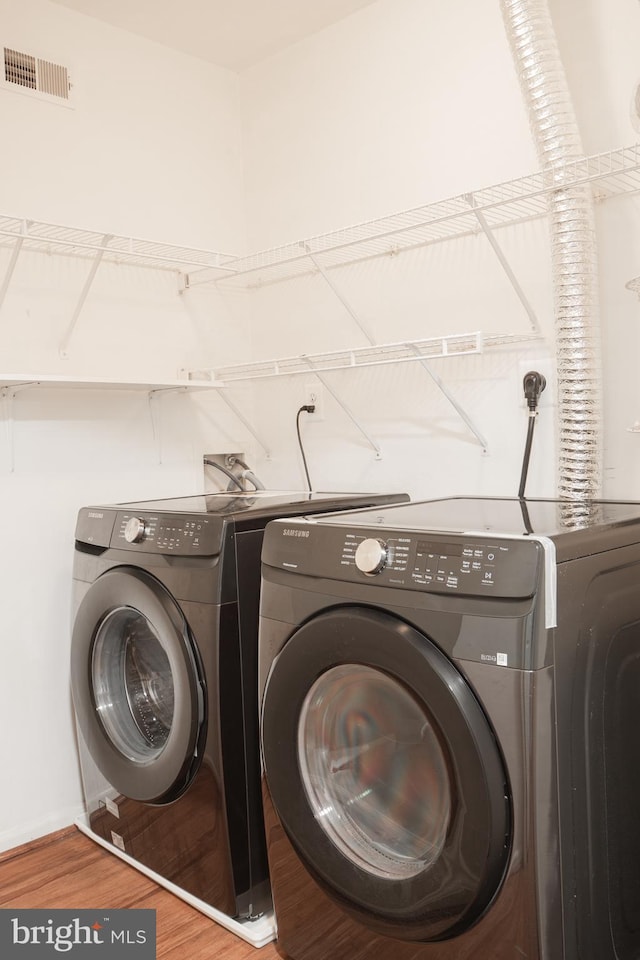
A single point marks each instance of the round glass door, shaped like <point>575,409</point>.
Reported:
<point>132,684</point>
<point>374,771</point>
<point>385,773</point>
<point>138,686</point>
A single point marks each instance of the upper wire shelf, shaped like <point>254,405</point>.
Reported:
<point>54,238</point>
<point>608,174</point>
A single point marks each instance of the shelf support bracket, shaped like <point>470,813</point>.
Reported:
<point>343,300</point>
<point>8,394</point>
<point>452,400</point>
<point>372,342</point>
<point>156,420</point>
<point>352,417</point>
<point>241,417</point>
<point>7,397</point>
<point>64,346</point>
<point>14,259</point>
<point>156,425</point>
<point>513,280</point>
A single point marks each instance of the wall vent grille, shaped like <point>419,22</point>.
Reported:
<point>32,73</point>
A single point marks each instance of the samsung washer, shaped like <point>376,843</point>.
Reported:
<point>164,683</point>
<point>450,713</point>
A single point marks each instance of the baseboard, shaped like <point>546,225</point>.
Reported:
<point>29,833</point>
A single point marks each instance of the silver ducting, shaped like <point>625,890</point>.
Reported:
<point>573,247</point>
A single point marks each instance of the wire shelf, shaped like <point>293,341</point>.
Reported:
<point>54,238</point>
<point>402,352</point>
<point>608,174</point>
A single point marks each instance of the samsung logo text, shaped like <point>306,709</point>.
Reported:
<point>295,533</point>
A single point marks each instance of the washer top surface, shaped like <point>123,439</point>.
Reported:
<point>577,527</point>
<point>546,518</point>
<point>259,503</point>
<point>198,525</point>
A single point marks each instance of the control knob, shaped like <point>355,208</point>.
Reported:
<point>371,556</point>
<point>135,530</point>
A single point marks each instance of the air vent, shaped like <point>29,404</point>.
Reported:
<point>31,73</point>
<point>20,68</point>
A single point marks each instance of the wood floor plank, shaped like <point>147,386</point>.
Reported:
<point>68,870</point>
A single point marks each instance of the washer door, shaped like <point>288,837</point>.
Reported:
<point>386,775</point>
<point>137,686</point>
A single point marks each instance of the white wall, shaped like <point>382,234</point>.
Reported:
<point>152,149</point>
<point>404,103</point>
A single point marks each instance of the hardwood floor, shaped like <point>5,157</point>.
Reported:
<point>67,870</point>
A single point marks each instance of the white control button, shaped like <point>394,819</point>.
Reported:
<point>135,530</point>
<point>371,556</point>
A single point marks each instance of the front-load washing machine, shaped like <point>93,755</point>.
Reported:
<point>450,711</point>
<point>164,684</point>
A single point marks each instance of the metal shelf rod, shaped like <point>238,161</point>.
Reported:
<point>349,413</point>
<point>153,396</point>
<point>8,394</point>
<point>156,423</point>
<point>64,346</point>
<point>241,417</point>
<point>436,379</point>
<point>504,263</point>
<point>12,263</point>
<point>343,300</point>
<point>454,403</point>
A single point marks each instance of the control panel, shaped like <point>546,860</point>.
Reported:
<point>184,535</point>
<point>188,535</point>
<point>471,564</point>
<point>456,564</point>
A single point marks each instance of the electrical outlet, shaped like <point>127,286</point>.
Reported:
<point>313,394</point>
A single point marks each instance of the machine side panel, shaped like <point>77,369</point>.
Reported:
<point>598,702</point>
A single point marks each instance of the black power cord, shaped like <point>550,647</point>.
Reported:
<point>307,408</point>
<point>533,385</point>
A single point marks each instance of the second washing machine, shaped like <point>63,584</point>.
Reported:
<point>450,708</point>
<point>164,683</point>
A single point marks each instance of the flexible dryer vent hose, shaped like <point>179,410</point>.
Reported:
<point>573,248</point>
